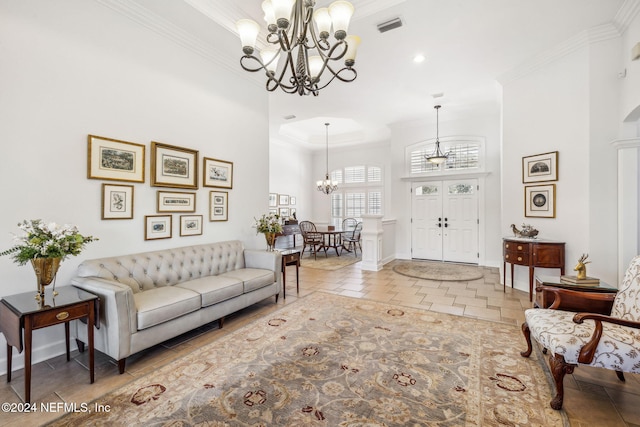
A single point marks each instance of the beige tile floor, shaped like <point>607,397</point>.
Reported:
<point>593,397</point>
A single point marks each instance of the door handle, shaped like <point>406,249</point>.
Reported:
<point>446,225</point>
<point>439,224</point>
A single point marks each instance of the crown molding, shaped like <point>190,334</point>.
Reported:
<point>581,40</point>
<point>621,144</point>
<point>626,14</point>
<point>150,20</point>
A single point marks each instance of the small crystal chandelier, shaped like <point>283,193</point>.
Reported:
<point>327,186</point>
<point>309,55</point>
<point>438,157</point>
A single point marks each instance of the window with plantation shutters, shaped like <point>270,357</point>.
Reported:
<point>464,154</point>
<point>359,193</point>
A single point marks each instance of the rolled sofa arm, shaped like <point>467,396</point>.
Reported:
<point>117,316</point>
<point>267,260</point>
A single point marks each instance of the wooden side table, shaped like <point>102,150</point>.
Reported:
<point>545,298</point>
<point>531,253</point>
<point>290,257</point>
<point>22,312</point>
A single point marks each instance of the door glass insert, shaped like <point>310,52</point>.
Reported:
<point>461,189</point>
<point>427,189</point>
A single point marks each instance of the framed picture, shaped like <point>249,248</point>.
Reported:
<point>540,167</point>
<point>190,225</point>
<point>292,211</point>
<point>273,211</point>
<point>218,206</point>
<point>157,227</point>
<point>173,166</point>
<point>292,200</point>
<point>540,201</point>
<point>115,160</point>
<point>176,201</point>
<point>273,200</point>
<point>284,212</point>
<point>283,199</point>
<point>217,173</point>
<point>117,201</point>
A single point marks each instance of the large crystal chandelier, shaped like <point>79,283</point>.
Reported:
<point>310,59</point>
<point>327,186</point>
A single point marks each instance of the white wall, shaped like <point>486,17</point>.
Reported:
<point>84,69</point>
<point>569,106</point>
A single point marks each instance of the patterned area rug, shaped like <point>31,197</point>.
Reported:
<point>442,271</point>
<point>331,262</point>
<point>328,360</point>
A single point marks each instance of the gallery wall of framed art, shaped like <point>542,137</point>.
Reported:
<point>172,167</point>
<point>540,199</point>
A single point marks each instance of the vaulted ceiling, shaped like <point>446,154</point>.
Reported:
<point>470,45</point>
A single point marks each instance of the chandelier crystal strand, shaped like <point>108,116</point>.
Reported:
<point>327,186</point>
<point>438,157</point>
<point>310,58</point>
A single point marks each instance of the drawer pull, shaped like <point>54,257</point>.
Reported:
<point>519,248</point>
<point>519,258</point>
<point>506,246</point>
<point>62,315</point>
<point>507,256</point>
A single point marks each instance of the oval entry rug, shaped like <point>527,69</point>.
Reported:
<point>442,271</point>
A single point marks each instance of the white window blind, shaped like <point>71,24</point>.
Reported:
<point>462,156</point>
<point>375,174</point>
<point>354,174</point>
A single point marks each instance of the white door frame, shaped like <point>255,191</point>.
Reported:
<point>481,204</point>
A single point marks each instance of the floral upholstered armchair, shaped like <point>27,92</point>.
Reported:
<point>572,339</point>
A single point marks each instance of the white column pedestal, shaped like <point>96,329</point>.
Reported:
<point>371,239</point>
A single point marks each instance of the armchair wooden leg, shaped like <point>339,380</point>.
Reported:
<point>620,375</point>
<point>527,336</point>
<point>559,368</point>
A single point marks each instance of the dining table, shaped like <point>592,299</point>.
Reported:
<point>331,237</point>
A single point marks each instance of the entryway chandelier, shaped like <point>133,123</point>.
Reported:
<point>438,157</point>
<point>327,186</point>
<point>310,58</point>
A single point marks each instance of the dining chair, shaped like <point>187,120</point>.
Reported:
<point>348,224</point>
<point>351,240</point>
<point>311,238</point>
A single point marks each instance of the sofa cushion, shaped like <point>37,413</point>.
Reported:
<point>214,289</point>
<point>164,303</point>
<point>253,278</point>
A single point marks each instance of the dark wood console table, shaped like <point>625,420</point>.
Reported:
<point>22,312</point>
<point>290,230</point>
<point>531,253</point>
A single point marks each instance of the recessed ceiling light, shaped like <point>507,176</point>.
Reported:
<point>419,58</point>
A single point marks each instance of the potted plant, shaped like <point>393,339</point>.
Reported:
<point>270,225</point>
<point>45,245</point>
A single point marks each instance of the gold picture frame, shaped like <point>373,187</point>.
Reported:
<point>218,206</point>
<point>157,227</point>
<point>117,201</point>
<point>190,225</point>
<point>173,166</point>
<point>540,201</point>
<point>217,173</point>
<point>176,201</point>
<point>115,160</point>
<point>540,168</point>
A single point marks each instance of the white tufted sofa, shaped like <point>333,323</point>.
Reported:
<point>149,297</point>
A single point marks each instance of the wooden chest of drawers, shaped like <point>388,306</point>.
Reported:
<point>531,253</point>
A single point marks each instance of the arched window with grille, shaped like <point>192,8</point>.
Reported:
<point>465,154</point>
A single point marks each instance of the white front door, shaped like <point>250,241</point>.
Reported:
<point>426,216</point>
<point>445,221</point>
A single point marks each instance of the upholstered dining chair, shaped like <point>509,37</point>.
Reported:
<point>351,240</point>
<point>311,238</point>
<point>572,339</point>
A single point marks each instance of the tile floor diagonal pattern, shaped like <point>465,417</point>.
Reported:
<point>593,397</point>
